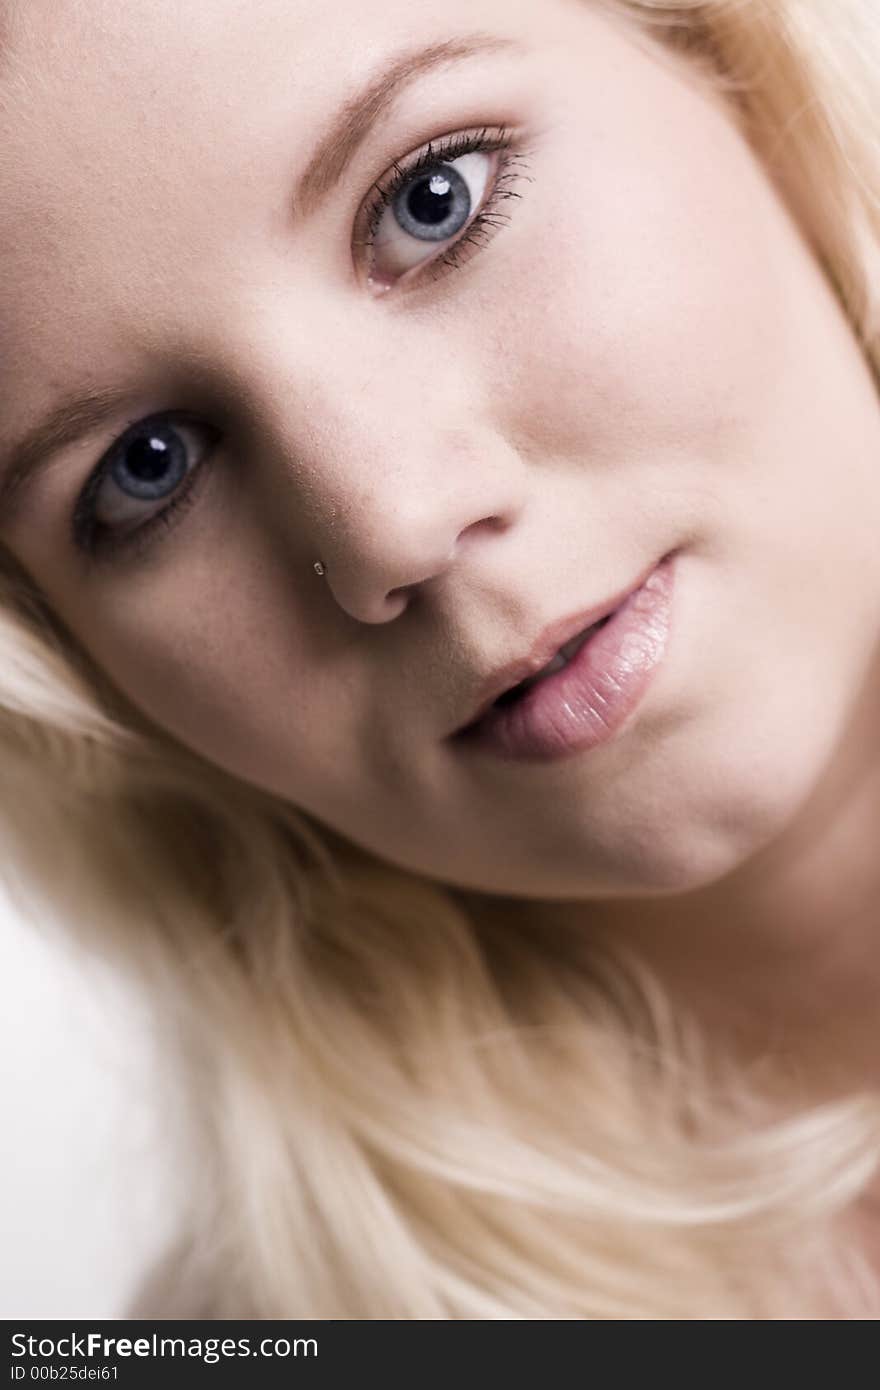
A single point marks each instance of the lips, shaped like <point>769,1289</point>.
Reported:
<point>565,654</point>
<point>563,637</point>
<point>583,699</point>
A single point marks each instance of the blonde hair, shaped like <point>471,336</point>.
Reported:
<point>386,1109</point>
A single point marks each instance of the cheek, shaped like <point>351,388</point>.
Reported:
<point>217,656</point>
<point>638,307</point>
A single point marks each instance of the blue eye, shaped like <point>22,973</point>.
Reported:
<point>439,206</point>
<point>435,206</point>
<point>150,465</point>
<point>155,461</point>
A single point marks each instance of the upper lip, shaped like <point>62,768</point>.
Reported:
<point>543,650</point>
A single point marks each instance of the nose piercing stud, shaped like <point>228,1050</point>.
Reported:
<point>319,568</point>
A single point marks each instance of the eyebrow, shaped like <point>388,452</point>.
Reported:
<point>78,415</point>
<point>72,418</point>
<point>354,122</point>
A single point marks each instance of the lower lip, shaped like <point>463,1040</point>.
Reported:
<point>588,701</point>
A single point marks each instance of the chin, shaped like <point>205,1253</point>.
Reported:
<point>685,862</point>
<point>676,828</point>
<point>714,823</point>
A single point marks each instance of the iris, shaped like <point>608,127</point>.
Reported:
<point>435,206</point>
<point>152,465</point>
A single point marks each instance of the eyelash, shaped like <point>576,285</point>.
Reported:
<point>102,542</point>
<point>511,170</point>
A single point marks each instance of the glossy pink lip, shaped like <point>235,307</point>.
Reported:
<point>588,700</point>
<point>544,649</point>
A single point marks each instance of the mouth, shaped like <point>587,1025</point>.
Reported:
<point>553,649</point>
<point>566,654</point>
<point>583,679</point>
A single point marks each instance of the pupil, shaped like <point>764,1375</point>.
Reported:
<point>151,466</point>
<point>435,206</point>
<point>431,200</point>
<point>147,459</point>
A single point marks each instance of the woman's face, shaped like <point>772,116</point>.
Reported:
<point>479,427</point>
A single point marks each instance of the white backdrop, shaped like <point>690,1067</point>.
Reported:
<point>84,1176</point>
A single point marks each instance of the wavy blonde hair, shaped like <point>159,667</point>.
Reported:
<point>387,1110</point>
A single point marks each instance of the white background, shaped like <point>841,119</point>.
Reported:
<point>83,1177</point>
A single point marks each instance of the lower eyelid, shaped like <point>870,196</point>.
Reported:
<point>104,546</point>
<point>511,168</point>
<point>398,245</point>
<point>446,148</point>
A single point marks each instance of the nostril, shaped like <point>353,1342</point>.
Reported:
<point>488,523</point>
<point>396,600</point>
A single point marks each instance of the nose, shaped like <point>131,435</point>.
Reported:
<point>401,490</point>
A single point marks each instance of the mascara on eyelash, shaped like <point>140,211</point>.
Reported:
<point>104,545</point>
<point>101,541</point>
<point>443,151</point>
<point>488,218</point>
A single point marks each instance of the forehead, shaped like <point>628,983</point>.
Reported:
<point>104,108</point>
<point>135,137</point>
<point>149,152</point>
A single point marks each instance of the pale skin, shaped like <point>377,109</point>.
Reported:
<point>645,357</point>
